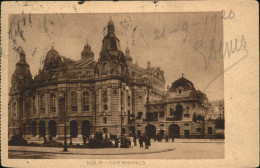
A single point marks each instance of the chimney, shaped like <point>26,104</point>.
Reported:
<point>148,64</point>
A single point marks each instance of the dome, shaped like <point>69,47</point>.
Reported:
<point>87,52</point>
<point>110,22</point>
<point>110,41</point>
<point>22,67</point>
<point>127,55</point>
<point>183,82</point>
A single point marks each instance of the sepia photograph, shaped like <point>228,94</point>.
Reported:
<point>158,84</point>
<point>116,86</point>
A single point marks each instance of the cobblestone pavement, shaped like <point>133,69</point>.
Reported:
<point>158,150</point>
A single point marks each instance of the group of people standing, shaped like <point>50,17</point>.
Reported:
<point>143,139</point>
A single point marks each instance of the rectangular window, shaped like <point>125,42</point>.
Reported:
<point>105,120</point>
<point>162,114</point>
<point>209,130</point>
<point>53,103</point>
<point>86,101</point>
<point>105,99</point>
<point>74,107</point>
<point>198,129</point>
<point>14,109</point>
<point>129,101</point>
<point>34,107</point>
<point>186,115</point>
<point>171,112</point>
<point>42,104</point>
<point>88,73</point>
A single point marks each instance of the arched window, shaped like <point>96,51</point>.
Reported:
<point>121,69</point>
<point>53,103</point>
<point>85,101</point>
<point>129,101</point>
<point>104,67</point>
<point>74,101</point>
<point>104,95</point>
<point>105,120</point>
<point>42,103</point>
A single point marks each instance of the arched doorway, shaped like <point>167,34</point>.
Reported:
<point>85,128</point>
<point>42,129</point>
<point>174,130</point>
<point>74,129</point>
<point>52,128</point>
<point>33,126</point>
<point>132,131</point>
<point>178,112</point>
<point>150,130</point>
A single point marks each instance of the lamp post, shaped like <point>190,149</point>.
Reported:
<point>148,105</point>
<point>65,149</point>
<point>121,109</point>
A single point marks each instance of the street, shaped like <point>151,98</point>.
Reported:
<point>158,150</point>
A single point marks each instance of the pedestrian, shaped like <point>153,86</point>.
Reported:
<point>116,142</point>
<point>105,136</point>
<point>146,142</point>
<point>129,141</point>
<point>135,141</point>
<point>84,140</point>
<point>172,138</point>
<point>141,142</point>
<point>149,142</point>
<point>166,138</point>
<point>44,139</point>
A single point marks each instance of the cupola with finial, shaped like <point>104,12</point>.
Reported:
<point>128,57</point>
<point>110,27</point>
<point>87,53</point>
<point>110,41</point>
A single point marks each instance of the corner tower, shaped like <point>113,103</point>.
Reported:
<point>112,61</point>
<point>22,74</point>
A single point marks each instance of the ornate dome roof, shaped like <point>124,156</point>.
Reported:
<point>183,82</point>
<point>110,22</point>
<point>127,55</point>
<point>87,52</point>
<point>110,41</point>
<point>22,67</point>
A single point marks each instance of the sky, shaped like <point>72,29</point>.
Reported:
<point>176,42</point>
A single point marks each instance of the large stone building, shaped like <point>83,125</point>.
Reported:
<point>112,94</point>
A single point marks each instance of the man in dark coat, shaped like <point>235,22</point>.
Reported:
<point>166,138</point>
<point>172,138</point>
<point>134,140</point>
<point>116,142</point>
<point>141,142</point>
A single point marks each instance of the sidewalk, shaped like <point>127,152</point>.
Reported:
<point>176,140</point>
<point>156,147</point>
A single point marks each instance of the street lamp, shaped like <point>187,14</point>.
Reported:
<point>121,108</point>
<point>148,105</point>
<point>65,149</point>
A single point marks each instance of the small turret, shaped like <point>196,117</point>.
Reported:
<point>87,53</point>
<point>128,57</point>
<point>22,74</point>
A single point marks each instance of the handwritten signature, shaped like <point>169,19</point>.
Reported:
<point>230,48</point>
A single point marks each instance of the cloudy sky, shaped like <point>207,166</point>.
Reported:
<point>176,42</point>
